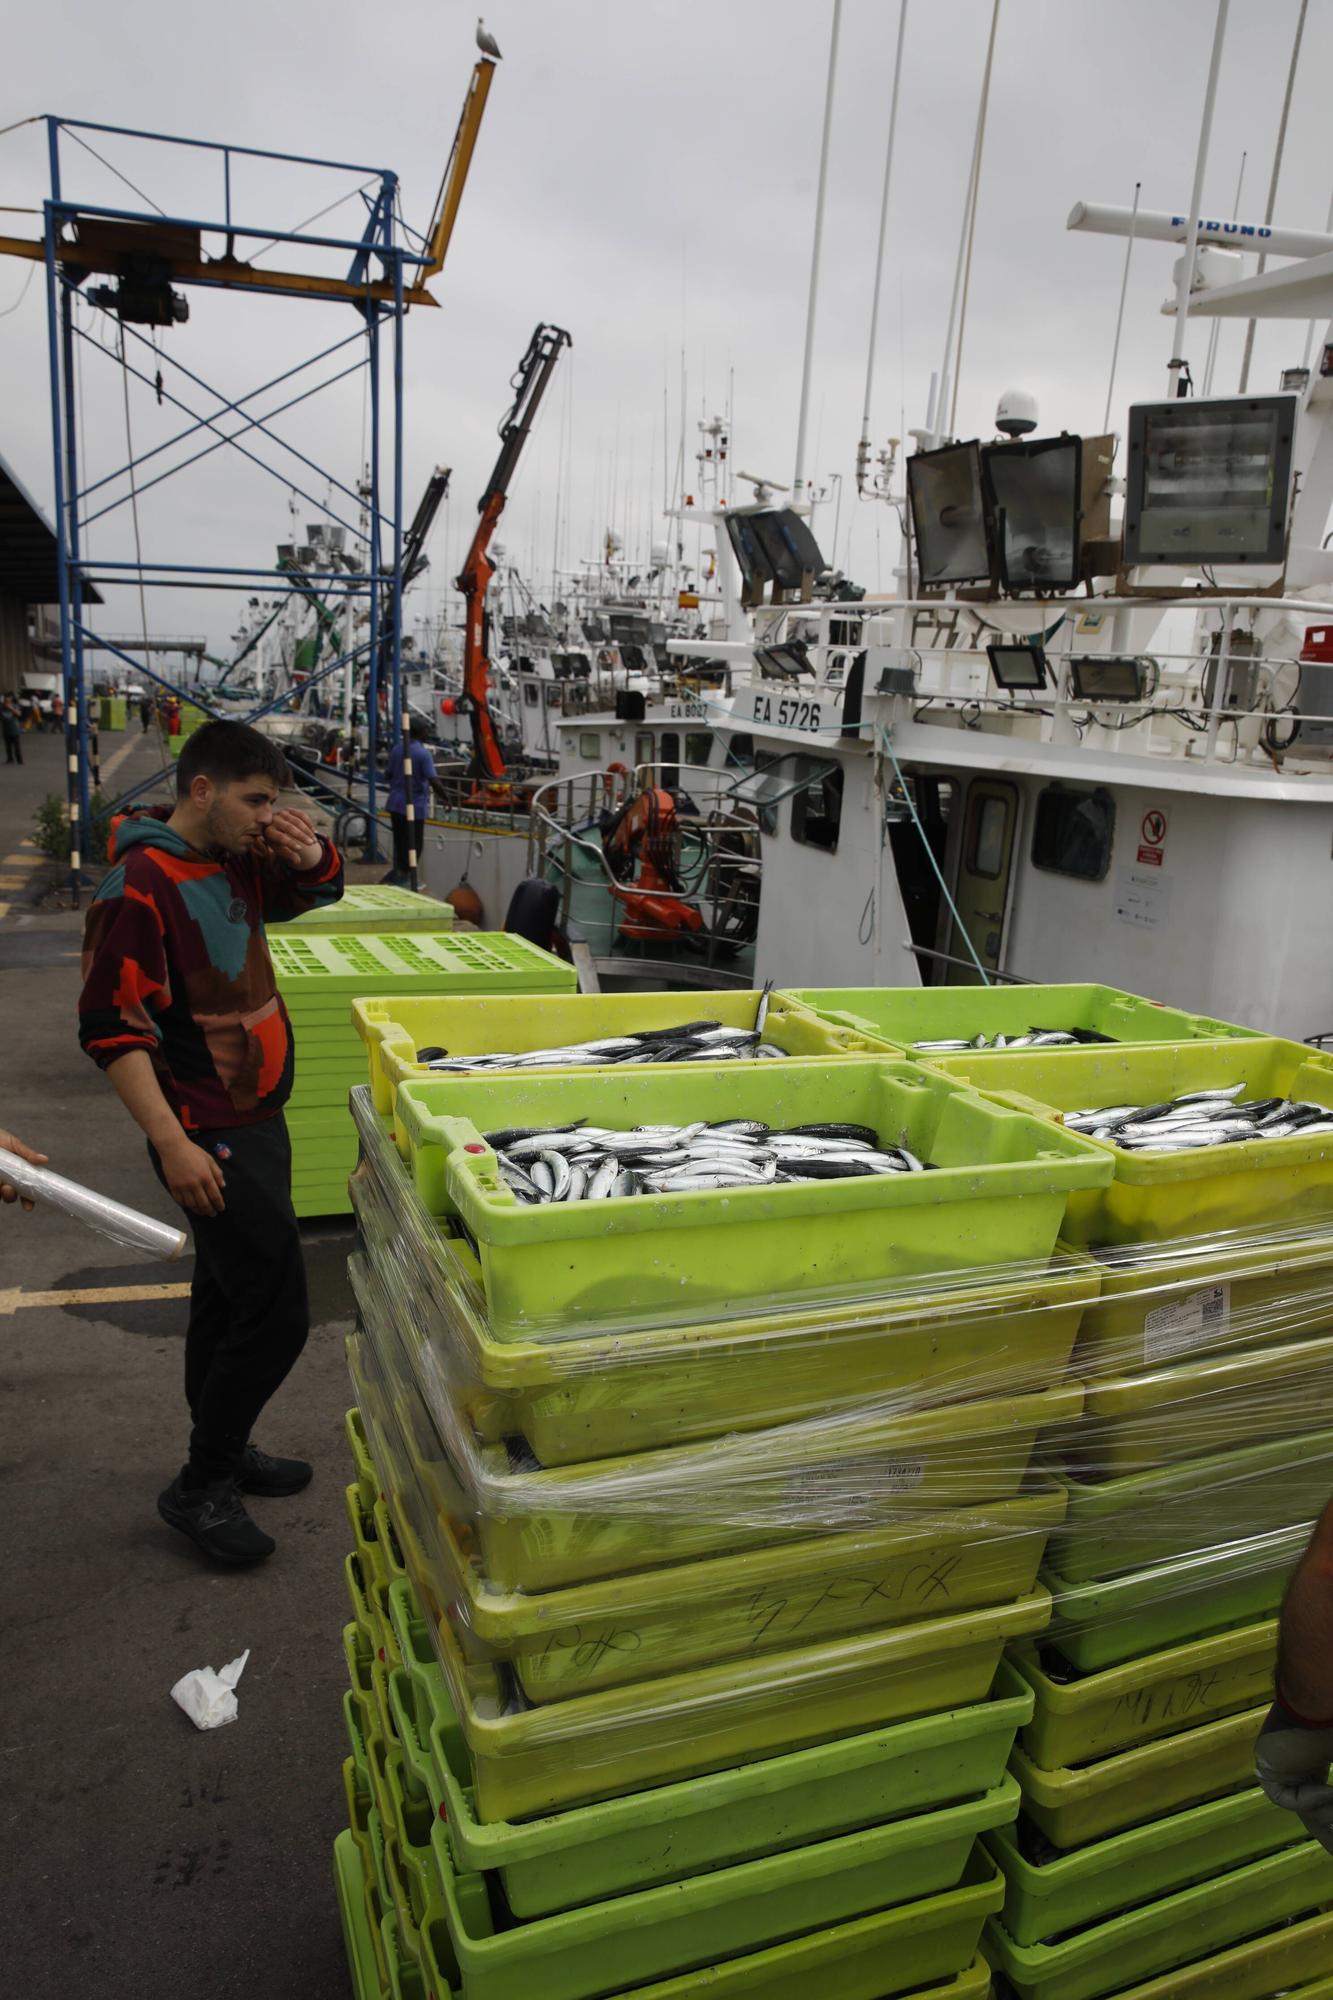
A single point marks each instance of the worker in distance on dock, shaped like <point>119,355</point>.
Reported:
<point>1295,1748</point>
<point>180,1006</point>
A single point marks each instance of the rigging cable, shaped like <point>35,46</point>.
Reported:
<point>930,856</point>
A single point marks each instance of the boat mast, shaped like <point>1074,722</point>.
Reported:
<point>1185,279</point>
<point>863,448</point>
<point>965,236</point>
<point>798,482</point>
<point>1273,180</point>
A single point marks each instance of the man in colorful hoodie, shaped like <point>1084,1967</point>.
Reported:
<point>180,1007</point>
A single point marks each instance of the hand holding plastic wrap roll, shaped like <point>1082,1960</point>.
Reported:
<point>15,1147</point>
<point>126,1226</point>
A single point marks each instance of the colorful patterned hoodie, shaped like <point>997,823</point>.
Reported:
<point>175,961</point>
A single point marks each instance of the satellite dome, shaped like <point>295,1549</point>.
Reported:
<point>1016,413</point>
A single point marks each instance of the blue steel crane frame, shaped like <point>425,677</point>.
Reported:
<point>377,289</point>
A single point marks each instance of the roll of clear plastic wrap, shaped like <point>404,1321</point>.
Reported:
<point>109,1218</point>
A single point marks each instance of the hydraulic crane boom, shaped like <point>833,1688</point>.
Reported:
<point>529,385</point>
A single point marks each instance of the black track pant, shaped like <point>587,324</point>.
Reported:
<point>249,1314</point>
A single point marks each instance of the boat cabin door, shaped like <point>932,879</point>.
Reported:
<point>981,890</point>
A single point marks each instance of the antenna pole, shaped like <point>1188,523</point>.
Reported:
<point>1310,329</point>
<point>863,448</point>
<point>1272,185</point>
<point>946,368</point>
<point>1120,316</point>
<point>1187,262</point>
<point>1215,332</point>
<point>798,482</point>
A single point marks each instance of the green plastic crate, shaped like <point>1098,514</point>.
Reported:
<point>1099,1625</point>
<point>619,1740</point>
<point>1157,1695</point>
<point>1117,1525</point>
<point>651,1934</point>
<point>375,906</point>
<point>1133,1423</point>
<point>546,1529</point>
<point>578,1399</point>
<point>367,1479</point>
<point>394,1028</point>
<point>903,1015</point>
<point>1294,1960</point>
<point>1171,1931</point>
<point>924,1947</point>
<point>1089,1802</point>
<point>320,969</point>
<point>350,1889</point>
<point>1157,1308</point>
<point>1000,1194</point>
<point>612,1846</point>
<point>1069,1891</point>
<point>1157,1198</point>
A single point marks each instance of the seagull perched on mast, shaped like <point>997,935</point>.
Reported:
<point>486,41</point>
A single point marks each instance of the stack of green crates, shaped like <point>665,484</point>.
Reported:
<point>320,975</point>
<point>111,712</point>
<point>375,906</point>
<point>683,1581</point>
<point>902,1017</point>
<point>192,717</point>
<point>1144,1851</point>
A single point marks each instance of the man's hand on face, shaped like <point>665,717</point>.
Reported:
<point>291,837</point>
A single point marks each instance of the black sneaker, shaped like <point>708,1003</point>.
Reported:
<point>258,1472</point>
<point>215,1520</point>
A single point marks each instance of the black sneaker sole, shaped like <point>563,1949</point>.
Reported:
<point>227,1559</point>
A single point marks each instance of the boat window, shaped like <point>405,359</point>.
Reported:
<point>553,695</point>
<point>644,748</point>
<point>1073,831</point>
<point>590,745</point>
<point>816,810</point>
<point>530,694</point>
<point>740,750</point>
<point>986,838</point>
<point>670,753</point>
<point>698,746</point>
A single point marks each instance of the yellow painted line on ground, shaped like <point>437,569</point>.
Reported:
<point>27,843</point>
<point>22,861</point>
<point>105,1295</point>
<point>13,882</point>
<point>4,911</point>
<point>117,757</point>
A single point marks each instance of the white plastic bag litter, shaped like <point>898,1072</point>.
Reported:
<point>209,1698</point>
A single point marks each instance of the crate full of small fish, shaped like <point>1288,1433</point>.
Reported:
<point>720,1184</point>
<point>1207,1137</point>
<point>933,1021</point>
<point>409,1037</point>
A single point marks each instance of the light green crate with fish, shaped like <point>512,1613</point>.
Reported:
<point>926,1948</point>
<point>1117,1525</point>
<point>550,1527</point>
<point>619,1740</point>
<point>906,1017</point>
<point>1157,1307</point>
<point>1000,1190</point>
<point>1098,1625</point>
<point>375,906</point>
<point>1171,1931</point>
<point>667,1832</point>
<point>654,1933</point>
<point>1199,1192</point>
<point>1293,1960</point>
<point>1084,1717</point>
<point>395,1028</point>
<point>572,1400</point>
<point>1132,1423</point>
<point>1049,1891</point>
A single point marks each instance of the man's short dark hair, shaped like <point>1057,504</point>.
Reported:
<point>419,729</point>
<point>228,752</point>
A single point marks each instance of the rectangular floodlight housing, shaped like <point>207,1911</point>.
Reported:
<point>949,518</point>
<point>1094,678</point>
<point>1018,665</point>
<point>1209,481</point>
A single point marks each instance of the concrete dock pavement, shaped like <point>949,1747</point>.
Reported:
<point>147,1860</point>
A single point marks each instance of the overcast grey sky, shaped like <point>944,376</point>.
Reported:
<point>645,177</point>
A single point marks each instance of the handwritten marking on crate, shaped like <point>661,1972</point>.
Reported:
<point>1178,1698</point>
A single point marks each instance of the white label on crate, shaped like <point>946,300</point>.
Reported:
<point>859,1479</point>
<point>1189,1322</point>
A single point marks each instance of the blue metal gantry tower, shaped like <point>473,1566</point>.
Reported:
<point>147,253</point>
